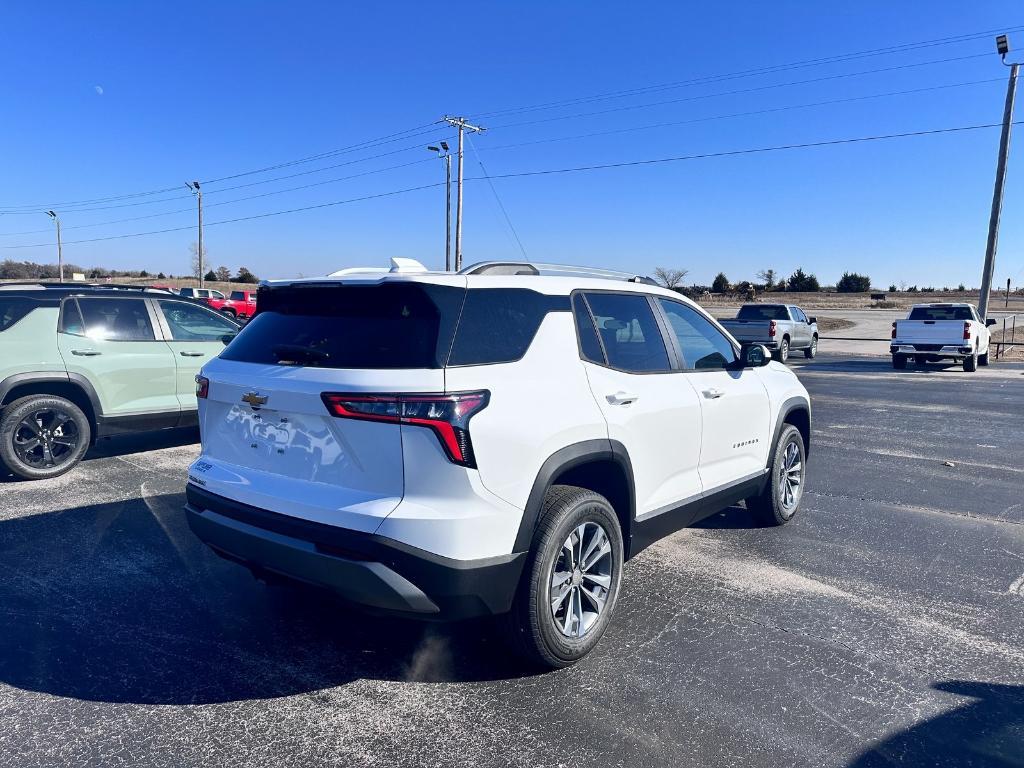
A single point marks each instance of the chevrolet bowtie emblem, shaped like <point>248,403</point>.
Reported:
<point>253,399</point>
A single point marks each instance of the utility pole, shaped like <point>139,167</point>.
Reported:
<point>463,126</point>
<point>60,253</point>
<point>1003,47</point>
<point>443,152</point>
<point>194,186</point>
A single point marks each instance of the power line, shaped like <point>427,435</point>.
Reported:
<point>740,91</point>
<point>552,171</point>
<point>838,58</point>
<point>751,151</point>
<point>368,144</point>
<point>749,113</point>
<point>494,191</point>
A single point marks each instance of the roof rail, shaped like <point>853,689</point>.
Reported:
<point>567,270</point>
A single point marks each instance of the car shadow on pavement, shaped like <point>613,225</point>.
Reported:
<point>119,602</point>
<point>734,517</point>
<point>873,365</point>
<point>986,732</point>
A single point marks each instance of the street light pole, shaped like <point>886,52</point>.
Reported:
<point>443,152</point>
<point>60,253</point>
<point>194,186</point>
<point>463,125</point>
<point>1003,47</point>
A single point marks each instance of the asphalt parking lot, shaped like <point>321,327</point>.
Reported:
<point>883,626</point>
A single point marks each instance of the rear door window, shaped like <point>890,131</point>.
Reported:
<point>13,309</point>
<point>393,325</point>
<point>498,324</point>
<point>237,296</point>
<point>629,333</point>
<point>116,319</point>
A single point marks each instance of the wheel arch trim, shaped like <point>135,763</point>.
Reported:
<point>563,460</point>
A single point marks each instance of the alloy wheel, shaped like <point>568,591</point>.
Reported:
<point>791,479</point>
<point>46,438</point>
<point>581,578</point>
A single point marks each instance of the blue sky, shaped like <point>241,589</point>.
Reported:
<point>110,98</point>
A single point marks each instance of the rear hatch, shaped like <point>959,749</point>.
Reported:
<point>270,441</point>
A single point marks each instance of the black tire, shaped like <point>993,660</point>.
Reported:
<point>899,362</point>
<point>230,313</point>
<point>812,351</point>
<point>532,627</point>
<point>770,506</point>
<point>983,359</point>
<point>971,363</point>
<point>59,428</point>
<point>782,353</point>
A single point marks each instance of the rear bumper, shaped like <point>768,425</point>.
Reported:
<point>367,569</point>
<point>945,350</point>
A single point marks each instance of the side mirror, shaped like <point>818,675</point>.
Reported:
<point>755,356</point>
<point>812,320</point>
<point>990,322</point>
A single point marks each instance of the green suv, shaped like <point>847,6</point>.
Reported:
<point>79,363</point>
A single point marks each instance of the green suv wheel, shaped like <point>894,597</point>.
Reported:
<point>43,436</point>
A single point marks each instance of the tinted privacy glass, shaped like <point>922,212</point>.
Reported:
<point>630,334</point>
<point>941,313</point>
<point>703,346</point>
<point>115,319</point>
<point>590,345</point>
<point>382,326</point>
<point>498,324</point>
<point>763,312</point>
<point>237,296</point>
<point>13,308</point>
<point>189,322</point>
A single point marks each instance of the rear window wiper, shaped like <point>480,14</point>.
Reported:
<point>297,352</point>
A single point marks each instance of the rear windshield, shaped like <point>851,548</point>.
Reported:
<point>941,313</point>
<point>13,308</point>
<point>394,325</point>
<point>763,312</point>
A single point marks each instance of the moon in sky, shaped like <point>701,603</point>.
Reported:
<point>98,89</point>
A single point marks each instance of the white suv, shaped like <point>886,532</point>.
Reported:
<point>496,441</point>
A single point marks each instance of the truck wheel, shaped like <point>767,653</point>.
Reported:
<point>780,499</point>
<point>983,359</point>
<point>811,352</point>
<point>43,436</point>
<point>899,362</point>
<point>571,579</point>
<point>229,312</point>
<point>782,353</point>
<point>971,363</point>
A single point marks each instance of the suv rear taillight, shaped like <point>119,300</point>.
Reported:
<point>967,329</point>
<point>771,329</point>
<point>447,415</point>
<point>202,387</point>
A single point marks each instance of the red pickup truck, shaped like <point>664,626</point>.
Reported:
<point>240,304</point>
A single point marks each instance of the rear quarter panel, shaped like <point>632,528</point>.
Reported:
<point>538,405</point>
<point>31,344</point>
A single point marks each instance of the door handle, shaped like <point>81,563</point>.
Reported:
<point>714,393</point>
<point>622,398</point>
<point>190,353</point>
<point>85,352</point>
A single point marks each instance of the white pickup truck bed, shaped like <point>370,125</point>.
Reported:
<point>935,332</point>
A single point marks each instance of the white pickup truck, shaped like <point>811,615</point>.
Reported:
<point>934,332</point>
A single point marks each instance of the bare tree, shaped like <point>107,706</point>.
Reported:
<point>767,277</point>
<point>223,274</point>
<point>194,250</point>
<point>670,278</point>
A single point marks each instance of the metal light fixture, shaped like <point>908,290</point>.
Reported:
<point>1002,44</point>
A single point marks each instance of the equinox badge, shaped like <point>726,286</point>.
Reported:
<point>254,399</point>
